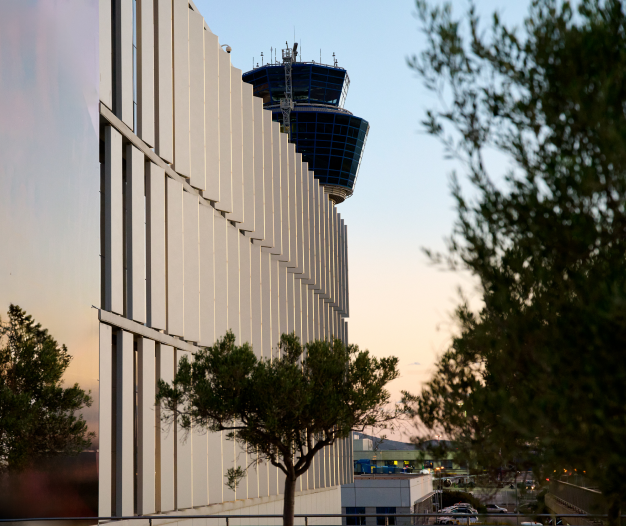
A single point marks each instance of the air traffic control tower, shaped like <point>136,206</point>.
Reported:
<point>307,98</point>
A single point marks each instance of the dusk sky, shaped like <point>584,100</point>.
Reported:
<point>399,304</point>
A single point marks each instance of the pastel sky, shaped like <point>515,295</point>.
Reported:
<point>399,304</point>
<point>49,174</point>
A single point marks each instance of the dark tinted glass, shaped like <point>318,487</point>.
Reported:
<point>313,84</point>
<point>380,521</point>
<point>355,521</point>
<point>329,144</point>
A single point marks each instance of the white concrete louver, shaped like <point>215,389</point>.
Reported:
<point>211,221</point>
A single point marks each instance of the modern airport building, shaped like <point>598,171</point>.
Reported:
<point>240,234</point>
<point>166,208</point>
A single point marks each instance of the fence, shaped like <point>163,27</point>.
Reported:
<point>581,500</point>
<point>389,519</point>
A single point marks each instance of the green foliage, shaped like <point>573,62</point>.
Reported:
<point>284,409</point>
<point>37,415</point>
<point>234,477</point>
<point>535,377</point>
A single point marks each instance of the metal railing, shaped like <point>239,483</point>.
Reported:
<point>459,518</point>
<point>577,498</point>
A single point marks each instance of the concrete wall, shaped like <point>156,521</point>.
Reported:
<point>210,222</point>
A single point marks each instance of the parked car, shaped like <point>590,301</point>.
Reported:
<point>455,520</point>
<point>494,508</point>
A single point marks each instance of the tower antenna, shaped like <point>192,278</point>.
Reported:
<point>286,104</point>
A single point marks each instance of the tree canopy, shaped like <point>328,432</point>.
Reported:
<point>534,377</point>
<point>286,409</point>
<point>38,416</point>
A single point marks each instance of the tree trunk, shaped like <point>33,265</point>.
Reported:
<point>290,500</point>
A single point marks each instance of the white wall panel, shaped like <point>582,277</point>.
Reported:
<point>180,25</point>
<point>146,426</point>
<point>332,254</point>
<point>293,209</point>
<point>125,405</point>
<point>253,479</point>
<point>297,305</point>
<point>304,310</point>
<point>283,300</point>
<point>226,186</point>
<point>155,246</point>
<point>236,120</point>
<point>275,296</point>
<point>228,461</point>
<point>145,71</point>
<point>259,182</point>
<point>221,275</point>
<point>191,261</point>
<point>277,166</point>
<point>248,158</point>
<point>113,223</point>
<point>262,468</point>
<point>164,82</point>
<point>200,467</point>
<point>241,460</point>
<point>207,276</point>
<point>256,304</point>
<point>285,180</point>
<point>317,235</point>
<point>322,199</point>
<point>339,300</point>
<point>211,115</point>
<point>165,437</point>
<point>232,235</point>
<point>135,233</point>
<point>175,263</point>
<point>105,47</point>
<point>347,283</point>
<point>266,302</point>
<point>311,313</point>
<point>291,303</point>
<point>343,268</point>
<point>321,317</point>
<point>306,227</point>
<point>272,479</point>
<point>323,469</point>
<point>216,469</point>
<point>123,102</point>
<point>184,471</point>
<point>105,422</point>
<point>268,178</point>
<point>197,144</point>
<point>245,289</point>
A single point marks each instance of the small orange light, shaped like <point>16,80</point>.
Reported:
<point>548,480</point>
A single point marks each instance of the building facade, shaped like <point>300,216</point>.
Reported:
<point>210,221</point>
<point>386,494</point>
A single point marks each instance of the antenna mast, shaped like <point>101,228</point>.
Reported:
<point>286,104</point>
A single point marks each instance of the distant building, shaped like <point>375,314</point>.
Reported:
<point>399,457</point>
<point>386,494</point>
